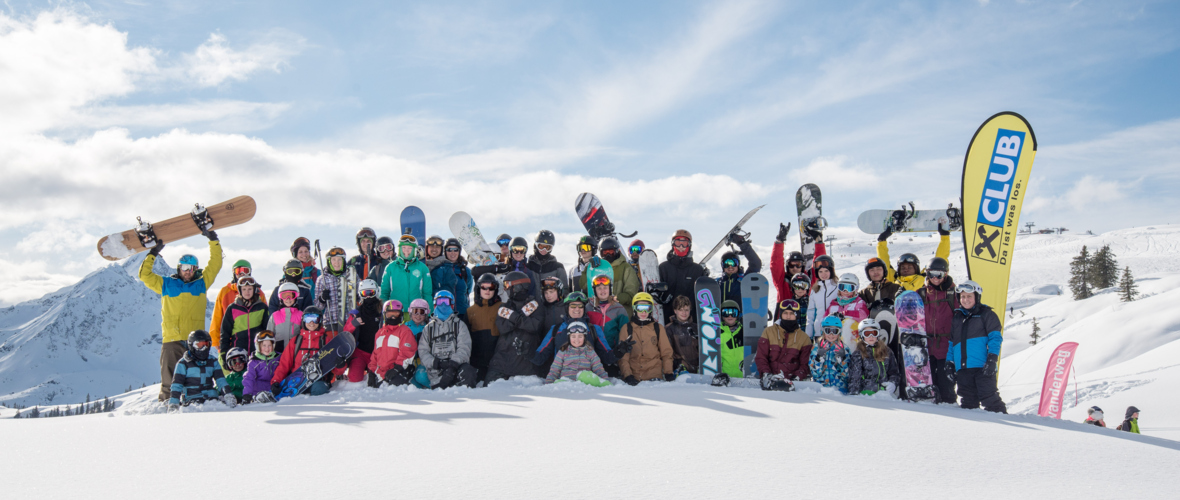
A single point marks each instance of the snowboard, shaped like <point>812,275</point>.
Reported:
<point>465,230</point>
<point>146,235</point>
<point>602,269</point>
<point>349,294</point>
<point>809,205</point>
<point>910,220</point>
<point>911,322</point>
<point>755,293</point>
<point>594,217</point>
<point>587,377</point>
<point>317,366</point>
<point>414,224</point>
<point>736,228</point>
<point>649,274</point>
<point>709,324</point>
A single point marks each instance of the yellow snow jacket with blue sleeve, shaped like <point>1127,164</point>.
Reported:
<point>182,304</point>
<point>914,282</point>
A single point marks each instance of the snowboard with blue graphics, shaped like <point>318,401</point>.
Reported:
<point>317,366</point>
<point>414,224</point>
<point>755,294</point>
<point>709,324</point>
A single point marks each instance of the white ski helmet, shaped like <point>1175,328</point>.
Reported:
<point>851,279</point>
<point>969,286</point>
<point>869,324</point>
<point>236,353</point>
<point>287,286</point>
<point>367,286</point>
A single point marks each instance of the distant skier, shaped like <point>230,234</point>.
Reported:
<point>225,297</point>
<point>940,301</point>
<point>650,354</point>
<point>182,303</point>
<point>197,377</point>
<point>784,348</point>
<point>1095,417</point>
<point>974,350</point>
<point>453,275</point>
<point>625,280</point>
<point>293,274</point>
<point>394,351</point>
<point>576,359</point>
<point>684,336</point>
<point>366,256</point>
<point>542,262</point>
<point>1131,423</point>
<point>872,366</point>
<point>909,268</point>
<point>679,271</point>
<point>445,347</point>
<point>301,251</point>
<point>732,269</point>
<point>823,292</point>
<point>829,357</point>
<point>261,369</point>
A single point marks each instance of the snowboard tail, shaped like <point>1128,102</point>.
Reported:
<point>809,206</point>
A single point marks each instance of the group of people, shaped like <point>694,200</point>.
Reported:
<point>527,315</point>
<point>1095,417</point>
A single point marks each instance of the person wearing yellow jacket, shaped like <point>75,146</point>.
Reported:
<point>909,274</point>
<point>182,303</point>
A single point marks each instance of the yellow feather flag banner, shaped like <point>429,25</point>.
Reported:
<point>995,180</point>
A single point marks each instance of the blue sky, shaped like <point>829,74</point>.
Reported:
<point>677,114</point>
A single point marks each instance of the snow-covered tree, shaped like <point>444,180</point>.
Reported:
<point>1036,333</point>
<point>1104,269</point>
<point>1127,287</point>
<point>1079,275</point>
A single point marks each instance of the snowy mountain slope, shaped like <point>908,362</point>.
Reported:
<point>518,439</point>
<point>95,337</point>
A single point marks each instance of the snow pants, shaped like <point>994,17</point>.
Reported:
<point>170,354</point>
<point>464,376</point>
<point>357,364</point>
<point>975,388</point>
<point>944,390</point>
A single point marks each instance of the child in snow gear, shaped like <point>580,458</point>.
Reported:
<point>363,323</point>
<point>182,302</point>
<point>605,311</point>
<point>197,376</point>
<point>848,305</point>
<point>445,347</point>
<point>732,343</point>
<point>301,251</point>
<point>394,349</point>
<point>520,330</point>
<point>542,262</point>
<point>261,369</point>
<point>909,269</point>
<point>312,337</point>
<point>451,273</point>
<point>732,270</point>
<point>366,255</point>
<point>1094,417</point>
<point>235,369</point>
<point>684,336</point>
<point>823,292</point>
<point>829,357</point>
<point>244,318</point>
<point>407,278</point>
<point>286,320</point>
<point>225,298</point>
<point>974,350</point>
<point>784,348</point>
<point>872,367</point>
<point>1131,423</point>
<point>576,357</point>
<point>650,353</point>
<point>940,301</point>
<point>625,279</point>
<point>292,275</point>
<point>574,307</point>
<point>482,318</point>
<point>801,294</point>
<point>419,316</point>
<point>332,287</point>
<point>679,271</point>
<point>385,253</point>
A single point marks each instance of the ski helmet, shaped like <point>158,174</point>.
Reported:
<point>575,297</point>
<point>587,244</point>
<point>909,258</point>
<point>367,288</point>
<point>636,247</point>
<point>577,326</point>
<point>869,324</point>
<point>730,308</point>
<point>488,279</point>
<point>312,314</point>
<point>939,264</point>
<point>552,283</point>
<point>609,249</point>
<point>300,242</point>
<point>263,336</point>
<point>238,354</point>
<point>517,284</point>
<point>337,252</point>
<point>519,245</point>
<point>831,321</point>
<point>199,343</point>
<point>794,258</point>
<point>444,297</point>
<point>365,232</point>
<point>800,280</point>
<point>392,305</point>
<point>241,268</point>
<point>384,242</point>
<point>874,262</point>
<point>245,281</point>
<point>288,287</point>
<point>545,237</point>
<point>730,259</point>
<point>823,261</point>
<point>293,268</point>
<point>849,279</point>
<point>407,241</point>
<point>435,239</point>
<point>188,259</point>
<point>643,297</point>
<point>683,233</point>
<point>602,279</point>
<point>968,287</point>
<point>504,239</point>
<point>419,304</point>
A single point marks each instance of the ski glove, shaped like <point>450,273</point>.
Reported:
<point>624,347</point>
<point>210,234</point>
<point>670,377</point>
<point>736,239</point>
<point>942,231</point>
<point>989,368</point>
<point>229,400</point>
<point>373,382</point>
<point>783,229</point>
<point>631,380</point>
<point>156,249</point>
<point>886,234</point>
<point>276,388</point>
<point>325,295</point>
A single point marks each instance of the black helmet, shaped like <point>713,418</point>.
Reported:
<point>939,264</point>
<point>586,240</point>
<point>610,249</point>
<point>488,278</point>
<point>365,232</point>
<point>517,284</point>
<point>199,336</point>
<point>795,257</point>
<point>293,264</point>
<point>545,237</point>
<point>825,261</point>
<point>453,242</point>
<point>313,310</point>
<point>435,239</point>
<point>519,242</point>
<point>731,256</point>
<point>909,258</point>
<point>503,237</point>
<point>384,240</point>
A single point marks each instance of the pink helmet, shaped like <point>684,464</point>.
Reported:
<point>392,305</point>
<point>420,304</point>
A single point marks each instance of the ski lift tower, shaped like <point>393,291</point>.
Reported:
<point>1029,226</point>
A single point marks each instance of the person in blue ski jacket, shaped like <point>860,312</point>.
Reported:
<point>829,356</point>
<point>974,351</point>
<point>198,376</point>
<point>453,275</point>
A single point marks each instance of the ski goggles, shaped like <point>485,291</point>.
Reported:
<point>935,274</point>
<point>288,295</point>
<point>869,333</point>
<point>336,252</point>
<point>311,318</point>
<point>1097,415</point>
<point>789,305</point>
<point>368,239</point>
<point>235,362</point>
<point>680,242</point>
<point>417,311</point>
<point>550,284</point>
<point>729,263</point>
<point>452,249</point>
<point>636,249</point>
<point>186,267</point>
<point>487,288</point>
<point>643,307</point>
<point>241,271</point>
<point>542,246</point>
<point>407,238</point>
<point>368,292</point>
<point>385,247</point>
<point>246,281</point>
<point>504,242</point>
<point>795,265</point>
<point>520,249</point>
<point>729,312</point>
<point>443,301</point>
<point>576,305</point>
<point>200,345</point>
<point>846,287</point>
<point>293,271</point>
<point>601,280</point>
<point>801,284</point>
<point>437,242</point>
<point>967,288</point>
<point>265,335</point>
<point>833,330</point>
<point>578,328</point>
<point>585,247</point>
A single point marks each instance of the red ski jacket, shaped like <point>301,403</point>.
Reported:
<point>392,346</point>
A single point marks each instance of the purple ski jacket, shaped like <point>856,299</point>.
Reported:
<point>258,374</point>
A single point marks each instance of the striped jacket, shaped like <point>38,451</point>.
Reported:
<point>197,379</point>
<point>572,360</point>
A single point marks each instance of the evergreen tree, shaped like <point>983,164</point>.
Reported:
<point>1080,275</point>
<point>1127,287</point>
<point>1036,333</point>
<point>1104,269</point>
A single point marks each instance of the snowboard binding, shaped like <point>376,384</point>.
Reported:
<point>201,218</point>
<point>659,291</point>
<point>900,217</point>
<point>776,382</point>
<point>146,234</point>
<point>720,380</point>
<point>955,216</point>
<point>814,225</point>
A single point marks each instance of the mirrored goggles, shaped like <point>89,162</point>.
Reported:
<point>241,271</point>
<point>368,292</point>
<point>636,249</point>
<point>387,247</point>
<point>311,318</point>
<point>442,301</point>
<point>503,242</point>
<point>186,267</point>
<point>846,287</point>
<point>601,280</point>
<point>729,312</point>
<point>577,329</point>
<point>520,249</point>
<point>802,285</point>
<point>935,274</point>
<point>729,263</point>
<point>585,247</point>
<point>643,307</point>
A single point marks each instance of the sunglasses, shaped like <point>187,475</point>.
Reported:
<point>288,295</point>
<point>388,247</point>
<point>577,305</point>
<point>795,265</point>
<point>846,287</point>
<point>487,288</point>
<point>831,330</point>
<point>935,274</point>
<point>643,308</point>
<point>729,312</point>
<point>585,248</point>
<point>541,246</point>
<point>311,318</point>
<point>293,272</point>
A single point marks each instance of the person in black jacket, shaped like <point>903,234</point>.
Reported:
<point>385,254</point>
<point>731,265</point>
<point>679,271</point>
<point>542,262</point>
<point>872,367</point>
<point>363,261</point>
<point>519,324</point>
<point>363,324</point>
<point>292,273</point>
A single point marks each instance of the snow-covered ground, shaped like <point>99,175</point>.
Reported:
<point>517,439</point>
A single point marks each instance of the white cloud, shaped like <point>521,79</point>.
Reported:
<point>836,174</point>
<point>214,62</point>
<point>1091,190</point>
<point>224,115</point>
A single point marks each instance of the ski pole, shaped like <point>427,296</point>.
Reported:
<point>317,253</point>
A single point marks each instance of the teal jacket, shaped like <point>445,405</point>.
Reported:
<point>405,281</point>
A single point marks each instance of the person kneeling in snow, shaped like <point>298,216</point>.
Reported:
<point>198,377</point>
<point>394,349</point>
<point>783,350</point>
<point>872,367</point>
<point>576,360</point>
<point>256,383</point>
<point>235,370</point>
<point>829,357</point>
<point>445,346</point>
